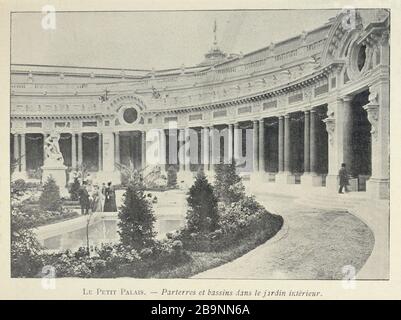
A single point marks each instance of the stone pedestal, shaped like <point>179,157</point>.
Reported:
<point>285,178</point>
<point>378,188</point>
<point>59,175</point>
<point>311,179</point>
<point>332,183</point>
<point>259,177</point>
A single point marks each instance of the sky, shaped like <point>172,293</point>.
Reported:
<point>146,40</point>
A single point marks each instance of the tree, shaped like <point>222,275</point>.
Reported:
<point>202,215</point>
<point>25,249</point>
<point>50,198</point>
<point>136,217</point>
<point>228,185</point>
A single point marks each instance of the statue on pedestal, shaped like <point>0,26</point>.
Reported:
<point>54,163</point>
<point>53,155</point>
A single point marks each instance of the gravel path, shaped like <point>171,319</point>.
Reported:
<point>313,244</point>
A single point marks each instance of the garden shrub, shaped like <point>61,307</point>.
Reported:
<point>50,198</point>
<point>25,249</point>
<point>202,214</point>
<point>136,218</point>
<point>228,185</point>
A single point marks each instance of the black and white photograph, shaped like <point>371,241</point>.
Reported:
<point>200,144</point>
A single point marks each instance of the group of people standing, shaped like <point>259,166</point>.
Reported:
<point>93,198</point>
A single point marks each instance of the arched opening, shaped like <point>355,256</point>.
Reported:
<point>90,151</point>
<point>131,149</point>
<point>361,145</point>
<point>297,122</point>
<point>271,144</point>
<point>34,153</point>
<point>65,148</point>
<point>322,157</point>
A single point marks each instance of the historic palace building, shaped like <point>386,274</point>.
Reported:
<point>310,103</point>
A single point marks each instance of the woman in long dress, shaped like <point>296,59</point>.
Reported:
<point>110,199</point>
<point>97,200</point>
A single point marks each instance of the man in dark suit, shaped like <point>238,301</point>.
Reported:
<point>84,199</point>
<point>343,174</point>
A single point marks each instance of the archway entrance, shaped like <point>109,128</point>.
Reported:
<point>90,152</point>
<point>361,145</point>
<point>271,145</point>
<point>297,123</point>
<point>65,148</point>
<point>322,156</point>
<point>131,148</point>
<point>34,152</point>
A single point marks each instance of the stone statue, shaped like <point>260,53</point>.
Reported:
<point>53,155</point>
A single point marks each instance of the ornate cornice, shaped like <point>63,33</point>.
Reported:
<point>283,89</point>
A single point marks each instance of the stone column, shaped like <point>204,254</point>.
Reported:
<point>73,151</point>
<point>378,110</point>
<point>306,143</point>
<point>143,149</point>
<point>237,142</point>
<point>346,150</point>
<point>311,178</point>
<point>23,153</point>
<point>313,151</point>
<point>109,172</point>
<point>181,138</point>
<point>255,145</point>
<point>16,150</point>
<point>80,149</point>
<point>117,147</point>
<point>339,128</point>
<point>212,148</point>
<point>287,144</point>
<point>285,176</point>
<point>230,141</point>
<point>262,145</point>
<point>206,148</point>
<point>281,144</point>
<point>100,142</point>
<point>187,157</point>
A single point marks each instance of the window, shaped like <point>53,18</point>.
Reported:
<point>361,57</point>
<point>130,115</point>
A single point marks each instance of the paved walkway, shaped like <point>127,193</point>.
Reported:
<point>313,244</point>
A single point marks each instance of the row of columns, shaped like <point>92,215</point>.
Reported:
<point>233,139</point>
<point>76,157</point>
<point>234,142</point>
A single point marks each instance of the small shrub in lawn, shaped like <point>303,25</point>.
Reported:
<point>136,218</point>
<point>202,215</point>
<point>228,185</point>
<point>50,198</point>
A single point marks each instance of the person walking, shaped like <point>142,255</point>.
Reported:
<point>343,174</point>
<point>110,199</point>
<point>84,199</point>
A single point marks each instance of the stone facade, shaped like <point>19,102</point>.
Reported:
<point>335,77</point>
